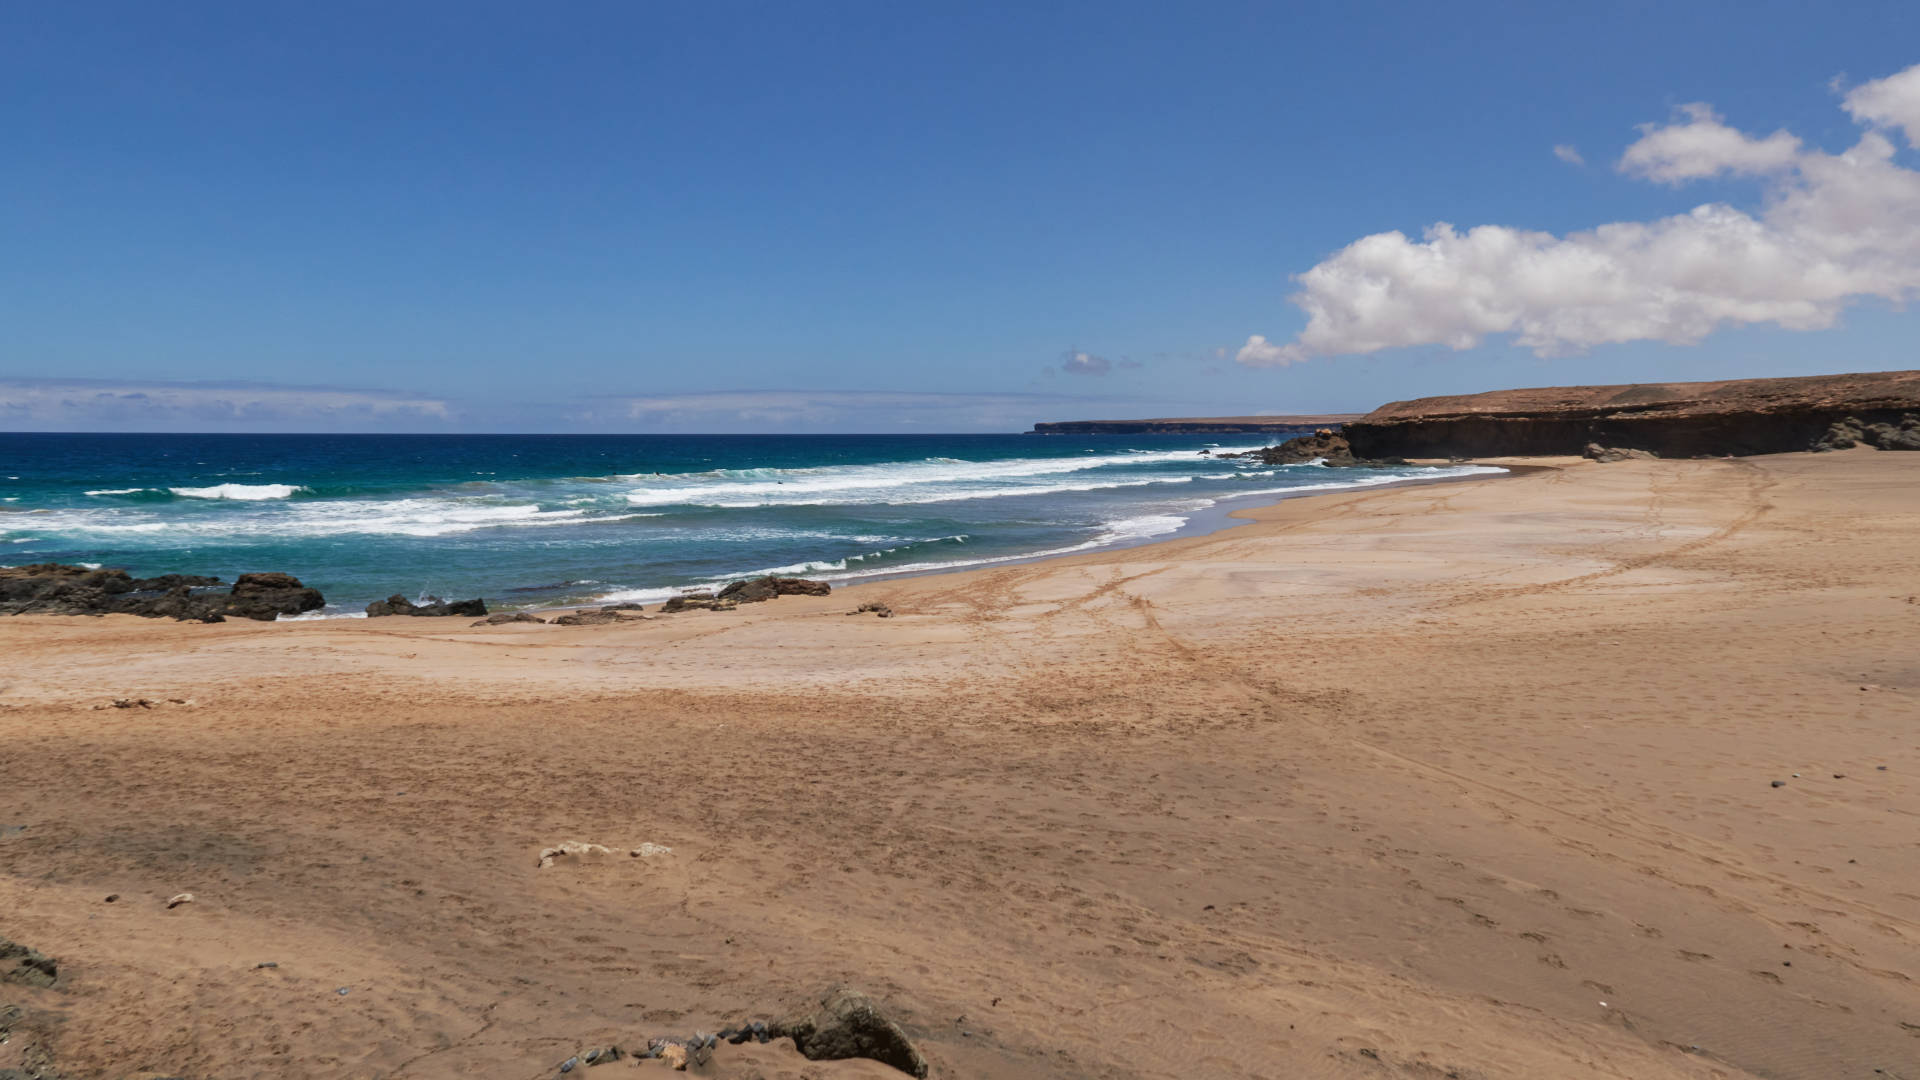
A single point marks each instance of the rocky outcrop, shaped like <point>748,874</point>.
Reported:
<point>501,618</point>
<point>400,605</point>
<point>1744,416</point>
<point>28,967</point>
<point>847,1024</point>
<point>696,601</point>
<point>56,589</point>
<point>586,618</point>
<point>1603,454</point>
<point>1886,435</point>
<point>267,596</point>
<point>766,588</point>
<point>1323,447</point>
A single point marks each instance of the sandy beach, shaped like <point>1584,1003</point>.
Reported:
<point>1471,780</point>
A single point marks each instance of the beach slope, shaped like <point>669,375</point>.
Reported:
<point>1590,771</point>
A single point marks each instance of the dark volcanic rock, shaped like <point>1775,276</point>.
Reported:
<point>750,592</point>
<point>1325,446</point>
<point>181,603</point>
<point>170,582</point>
<point>400,605</point>
<point>766,588</point>
<point>501,618</point>
<point>1742,416</point>
<point>30,967</point>
<point>588,618</point>
<point>392,605</point>
<point>54,589</point>
<point>268,596</point>
<point>696,601</point>
<point>847,1024</point>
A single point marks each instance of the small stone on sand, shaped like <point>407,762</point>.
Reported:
<point>573,851</point>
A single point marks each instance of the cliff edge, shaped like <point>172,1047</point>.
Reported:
<point>1703,419</point>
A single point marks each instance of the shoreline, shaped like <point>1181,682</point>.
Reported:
<point>1225,513</point>
<point>1598,772</point>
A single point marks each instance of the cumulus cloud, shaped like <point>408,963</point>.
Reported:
<point>106,405</point>
<point>1697,144</point>
<point>1566,152</point>
<point>1259,352</point>
<point>1830,229</point>
<point>1080,363</point>
<point>1890,102</point>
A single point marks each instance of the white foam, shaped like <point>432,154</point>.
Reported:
<point>425,517</point>
<point>914,482</point>
<point>119,491</point>
<point>243,492</point>
<point>1121,531</point>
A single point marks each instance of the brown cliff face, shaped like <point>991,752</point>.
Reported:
<point>1710,419</point>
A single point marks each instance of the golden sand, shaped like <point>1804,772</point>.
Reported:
<point>1467,780</point>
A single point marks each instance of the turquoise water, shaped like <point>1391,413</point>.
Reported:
<point>536,520</point>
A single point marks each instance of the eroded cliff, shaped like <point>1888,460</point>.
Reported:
<point>1708,419</point>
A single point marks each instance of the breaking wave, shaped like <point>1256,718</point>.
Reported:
<point>242,492</point>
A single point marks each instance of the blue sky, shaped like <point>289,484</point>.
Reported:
<point>895,217</point>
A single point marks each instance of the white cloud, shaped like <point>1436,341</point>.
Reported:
<point>106,405</point>
<point>1697,144</point>
<point>835,410</point>
<point>1890,102</point>
<point>1567,153</point>
<point>1831,228</point>
<point>1080,363</point>
<point>1259,352</point>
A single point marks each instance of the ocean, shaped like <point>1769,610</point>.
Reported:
<point>548,520</point>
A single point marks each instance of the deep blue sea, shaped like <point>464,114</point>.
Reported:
<point>539,520</point>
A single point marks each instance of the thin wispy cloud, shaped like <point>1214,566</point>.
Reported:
<point>1831,229</point>
<point>109,405</point>
<point>1567,153</point>
<point>834,410</point>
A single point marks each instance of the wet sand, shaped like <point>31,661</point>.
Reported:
<point>1469,780</point>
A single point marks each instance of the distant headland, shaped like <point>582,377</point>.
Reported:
<point>1702,419</point>
<point>1225,425</point>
